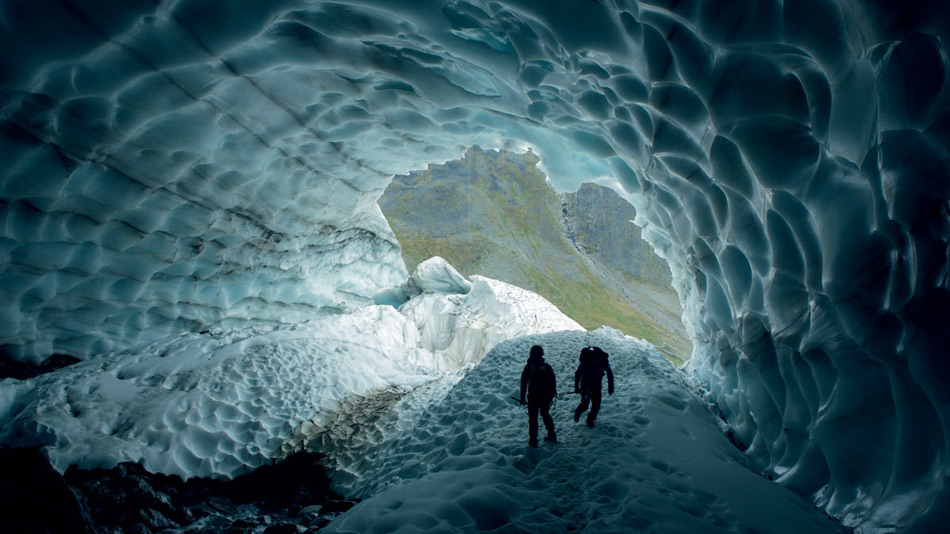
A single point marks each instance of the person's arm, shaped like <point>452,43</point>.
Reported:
<point>577,379</point>
<point>610,380</point>
<point>524,383</point>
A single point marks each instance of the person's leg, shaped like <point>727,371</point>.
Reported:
<point>582,407</point>
<point>548,422</point>
<point>533,422</point>
<point>585,401</point>
<point>595,395</point>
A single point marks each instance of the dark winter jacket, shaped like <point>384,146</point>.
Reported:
<point>590,372</point>
<point>538,380</point>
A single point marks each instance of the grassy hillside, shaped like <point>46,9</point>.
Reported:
<point>492,213</point>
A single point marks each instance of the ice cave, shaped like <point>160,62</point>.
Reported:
<point>188,207</point>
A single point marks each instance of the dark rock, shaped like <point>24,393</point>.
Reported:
<point>320,522</point>
<point>599,222</point>
<point>10,368</point>
<point>336,506</point>
<point>35,498</point>
<point>128,498</point>
<point>282,528</point>
<point>155,520</point>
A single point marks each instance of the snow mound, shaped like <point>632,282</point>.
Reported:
<point>202,405</point>
<point>657,460</point>
<point>225,402</point>
<point>465,328</point>
<point>435,274</point>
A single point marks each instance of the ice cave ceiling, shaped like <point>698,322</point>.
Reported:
<point>184,164</point>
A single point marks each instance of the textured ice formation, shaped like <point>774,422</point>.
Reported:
<point>432,275</point>
<point>214,404</point>
<point>225,402</point>
<point>178,166</point>
<point>462,320</point>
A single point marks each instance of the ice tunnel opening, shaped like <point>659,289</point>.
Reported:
<point>174,167</point>
<point>495,213</point>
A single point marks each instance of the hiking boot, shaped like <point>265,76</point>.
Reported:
<point>552,438</point>
<point>533,442</point>
<point>590,423</point>
<point>577,416</point>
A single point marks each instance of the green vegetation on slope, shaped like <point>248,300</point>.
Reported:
<point>493,214</point>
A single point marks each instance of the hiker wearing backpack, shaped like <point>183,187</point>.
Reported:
<point>588,381</point>
<point>538,381</point>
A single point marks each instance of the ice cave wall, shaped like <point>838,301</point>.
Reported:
<point>194,163</point>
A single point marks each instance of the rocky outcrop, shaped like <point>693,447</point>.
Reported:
<point>493,213</point>
<point>290,496</point>
<point>599,223</point>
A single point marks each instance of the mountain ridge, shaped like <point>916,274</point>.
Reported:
<point>492,213</point>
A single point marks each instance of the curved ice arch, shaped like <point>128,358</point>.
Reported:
<point>175,166</point>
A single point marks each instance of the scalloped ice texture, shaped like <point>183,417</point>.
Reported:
<point>190,164</point>
<point>223,403</point>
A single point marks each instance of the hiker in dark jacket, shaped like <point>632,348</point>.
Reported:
<point>588,382</point>
<point>538,381</point>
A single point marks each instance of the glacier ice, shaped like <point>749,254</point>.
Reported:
<point>221,403</point>
<point>192,165</point>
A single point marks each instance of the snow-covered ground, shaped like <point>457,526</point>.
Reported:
<point>657,461</point>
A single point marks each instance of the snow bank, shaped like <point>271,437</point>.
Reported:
<point>464,328</point>
<point>225,402</point>
<point>657,461</point>
<point>217,404</point>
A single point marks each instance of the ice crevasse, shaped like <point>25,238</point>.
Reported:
<point>190,165</point>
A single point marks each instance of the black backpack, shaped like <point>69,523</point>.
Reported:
<point>541,383</point>
<point>593,363</point>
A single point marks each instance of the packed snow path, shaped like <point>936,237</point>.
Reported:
<point>656,461</point>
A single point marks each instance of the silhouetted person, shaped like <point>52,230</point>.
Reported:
<point>538,381</point>
<point>588,379</point>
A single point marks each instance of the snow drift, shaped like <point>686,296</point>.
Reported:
<point>225,402</point>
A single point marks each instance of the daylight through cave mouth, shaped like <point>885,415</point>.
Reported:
<point>190,166</point>
<point>493,213</point>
